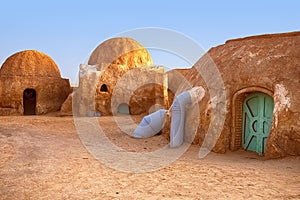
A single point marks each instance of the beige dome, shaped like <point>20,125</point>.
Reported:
<point>29,63</point>
<point>120,51</point>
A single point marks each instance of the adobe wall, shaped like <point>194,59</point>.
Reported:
<point>140,88</point>
<point>143,89</point>
<point>176,79</point>
<point>50,93</point>
<point>268,63</point>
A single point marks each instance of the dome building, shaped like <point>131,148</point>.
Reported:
<point>120,51</point>
<point>30,83</point>
<point>121,78</point>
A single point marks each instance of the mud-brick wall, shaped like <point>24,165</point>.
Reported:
<point>144,89</point>
<point>268,64</point>
<point>51,92</point>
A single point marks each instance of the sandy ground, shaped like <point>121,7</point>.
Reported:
<point>43,158</point>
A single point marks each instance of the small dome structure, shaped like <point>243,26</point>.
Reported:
<point>29,63</point>
<point>115,70</point>
<point>120,51</point>
<point>30,83</point>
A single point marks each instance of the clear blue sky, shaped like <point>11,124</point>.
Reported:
<point>69,30</point>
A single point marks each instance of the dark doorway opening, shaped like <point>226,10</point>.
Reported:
<point>29,101</point>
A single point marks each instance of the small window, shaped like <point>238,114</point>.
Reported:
<point>104,88</point>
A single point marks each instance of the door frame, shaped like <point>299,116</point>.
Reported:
<point>236,114</point>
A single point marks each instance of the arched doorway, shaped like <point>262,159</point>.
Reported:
<point>29,101</point>
<point>257,120</point>
<point>237,114</point>
<point>123,108</point>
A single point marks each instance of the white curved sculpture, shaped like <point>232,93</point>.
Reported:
<point>184,99</point>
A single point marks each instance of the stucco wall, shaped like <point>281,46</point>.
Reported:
<point>269,62</point>
<point>50,93</point>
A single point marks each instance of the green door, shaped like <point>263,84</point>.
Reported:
<point>257,120</point>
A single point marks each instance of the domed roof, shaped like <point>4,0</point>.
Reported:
<point>29,63</point>
<point>121,51</point>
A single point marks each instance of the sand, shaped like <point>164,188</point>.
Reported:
<point>42,157</point>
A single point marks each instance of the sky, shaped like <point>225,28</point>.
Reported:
<point>68,31</point>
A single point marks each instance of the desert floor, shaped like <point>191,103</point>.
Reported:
<point>42,157</point>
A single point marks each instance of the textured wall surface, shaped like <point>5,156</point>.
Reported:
<point>31,70</point>
<point>267,63</point>
<point>124,68</point>
<point>143,89</point>
<point>120,51</point>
